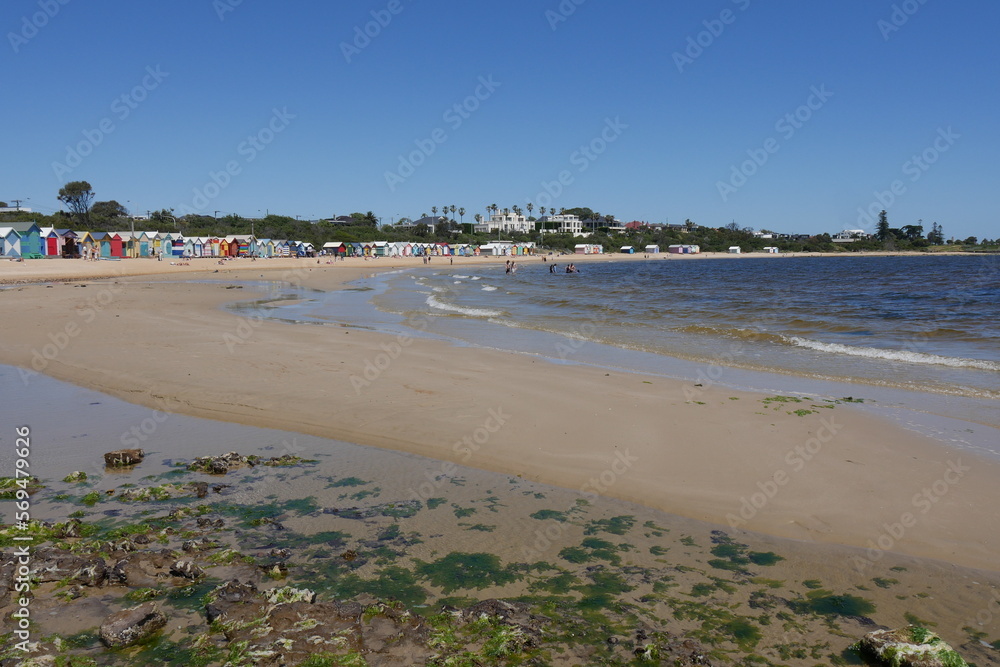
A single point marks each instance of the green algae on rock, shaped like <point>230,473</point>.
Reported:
<point>912,646</point>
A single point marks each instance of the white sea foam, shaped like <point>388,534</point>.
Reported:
<point>894,355</point>
<point>489,288</point>
<point>477,278</point>
<point>433,302</point>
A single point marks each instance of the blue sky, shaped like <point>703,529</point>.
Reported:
<point>648,110</point>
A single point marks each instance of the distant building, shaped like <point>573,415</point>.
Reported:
<point>430,221</point>
<point>850,236</point>
<point>508,221</point>
<point>566,224</point>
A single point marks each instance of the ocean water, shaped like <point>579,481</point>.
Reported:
<point>923,323</point>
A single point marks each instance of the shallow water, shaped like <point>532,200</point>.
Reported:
<point>923,323</point>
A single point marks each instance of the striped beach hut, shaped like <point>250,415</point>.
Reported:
<point>10,243</point>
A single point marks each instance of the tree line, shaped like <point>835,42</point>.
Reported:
<point>86,214</point>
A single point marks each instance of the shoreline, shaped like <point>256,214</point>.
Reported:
<point>57,269</point>
<point>571,426</point>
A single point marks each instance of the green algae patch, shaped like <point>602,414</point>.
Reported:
<point>392,582</point>
<point>825,603</point>
<point>560,584</point>
<point>434,503</point>
<point>9,486</point>
<point>462,512</point>
<point>545,515</point>
<point>92,498</point>
<point>348,481</point>
<point>592,548</point>
<point>746,635</point>
<point>616,525</point>
<point>482,527</point>
<point>764,558</point>
<point>464,571</point>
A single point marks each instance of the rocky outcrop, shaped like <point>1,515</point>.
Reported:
<point>220,465</point>
<point>124,458</point>
<point>130,626</point>
<point>912,646</point>
<point>143,569</point>
<point>51,564</point>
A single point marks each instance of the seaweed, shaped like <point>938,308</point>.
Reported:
<point>616,525</point>
<point>463,571</point>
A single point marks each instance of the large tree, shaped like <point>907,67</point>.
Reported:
<point>882,229</point>
<point>77,195</point>
<point>937,234</point>
<point>108,210</point>
<point>913,232</point>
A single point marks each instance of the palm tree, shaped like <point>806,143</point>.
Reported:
<point>453,209</point>
<point>493,207</point>
<point>531,207</point>
<point>434,210</point>
<point>541,211</point>
<point>461,214</point>
<point>479,218</point>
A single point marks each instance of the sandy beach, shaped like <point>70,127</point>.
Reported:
<point>837,476</point>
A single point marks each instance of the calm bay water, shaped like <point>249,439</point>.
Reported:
<point>923,323</point>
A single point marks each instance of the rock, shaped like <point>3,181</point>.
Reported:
<point>187,569</point>
<point>219,467</point>
<point>142,569</point>
<point>234,601</point>
<point>129,626</point>
<point>123,458</point>
<point>70,529</point>
<point>50,564</point>
<point>200,488</point>
<point>911,646</point>
<point>77,476</point>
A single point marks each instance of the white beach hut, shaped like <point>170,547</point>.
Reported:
<point>10,243</point>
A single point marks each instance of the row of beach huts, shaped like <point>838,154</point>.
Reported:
<point>26,240</point>
<point>655,249</point>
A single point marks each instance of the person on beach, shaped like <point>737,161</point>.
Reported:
<point>507,264</point>
<point>552,267</point>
